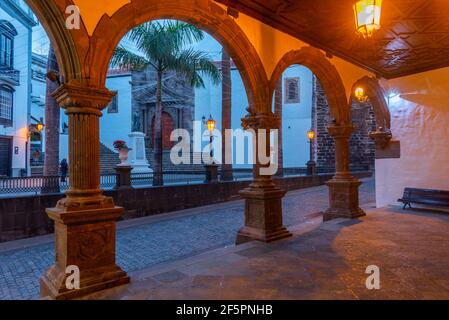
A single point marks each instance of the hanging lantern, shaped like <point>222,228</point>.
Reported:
<point>367,16</point>
<point>360,95</point>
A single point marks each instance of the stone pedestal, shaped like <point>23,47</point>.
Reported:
<point>123,177</point>
<point>85,219</point>
<point>343,199</point>
<point>311,168</point>
<point>263,200</point>
<point>137,155</point>
<point>85,239</point>
<point>211,173</point>
<point>263,215</point>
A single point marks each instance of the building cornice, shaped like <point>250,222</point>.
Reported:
<point>16,11</point>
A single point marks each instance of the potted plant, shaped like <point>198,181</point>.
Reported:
<point>123,150</point>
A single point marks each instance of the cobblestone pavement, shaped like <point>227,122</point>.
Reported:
<point>140,245</point>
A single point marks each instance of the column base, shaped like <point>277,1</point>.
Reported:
<point>343,198</point>
<point>263,215</point>
<point>53,283</point>
<point>247,234</point>
<point>85,239</point>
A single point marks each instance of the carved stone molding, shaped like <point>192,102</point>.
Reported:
<point>381,138</point>
<point>261,121</point>
<point>340,131</point>
<point>78,98</point>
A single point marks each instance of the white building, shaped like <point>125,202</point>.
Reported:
<point>297,108</point>
<point>16,24</point>
<point>117,118</point>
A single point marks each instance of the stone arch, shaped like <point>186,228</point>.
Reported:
<point>205,14</point>
<point>326,73</point>
<point>67,43</point>
<point>377,98</point>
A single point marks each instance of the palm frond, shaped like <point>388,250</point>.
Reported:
<point>192,64</point>
<point>124,58</point>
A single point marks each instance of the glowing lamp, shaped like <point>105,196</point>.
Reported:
<point>367,16</point>
<point>311,134</point>
<point>40,126</point>
<point>359,94</point>
<point>211,124</point>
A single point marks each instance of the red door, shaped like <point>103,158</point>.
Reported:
<point>167,128</point>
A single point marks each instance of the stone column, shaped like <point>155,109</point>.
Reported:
<point>343,187</point>
<point>263,199</point>
<point>85,219</point>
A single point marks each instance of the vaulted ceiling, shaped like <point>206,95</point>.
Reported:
<point>414,35</point>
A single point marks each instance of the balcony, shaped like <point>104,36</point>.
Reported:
<point>9,76</point>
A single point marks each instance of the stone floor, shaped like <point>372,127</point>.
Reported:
<point>146,242</point>
<point>321,261</point>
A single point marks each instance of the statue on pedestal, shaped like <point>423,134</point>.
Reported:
<point>136,122</point>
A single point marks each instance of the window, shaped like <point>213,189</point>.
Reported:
<point>113,105</point>
<point>291,90</point>
<point>7,34</point>
<point>6,101</point>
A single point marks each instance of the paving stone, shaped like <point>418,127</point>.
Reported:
<point>146,245</point>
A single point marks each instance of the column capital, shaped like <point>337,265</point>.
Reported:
<point>343,131</point>
<point>261,121</point>
<point>76,97</point>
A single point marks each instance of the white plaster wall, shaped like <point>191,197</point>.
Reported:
<point>297,119</point>
<point>420,118</point>
<point>117,126</point>
<point>22,62</point>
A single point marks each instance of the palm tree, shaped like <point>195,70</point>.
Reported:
<point>52,121</point>
<point>165,46</point>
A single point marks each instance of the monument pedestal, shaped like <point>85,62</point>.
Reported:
<point>137,157</point>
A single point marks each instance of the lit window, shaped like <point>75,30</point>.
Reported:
<point>291,87</point>
<point>6,102</point>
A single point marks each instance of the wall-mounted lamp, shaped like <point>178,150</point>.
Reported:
<point>360,95</point>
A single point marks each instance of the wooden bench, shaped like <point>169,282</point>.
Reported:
<point>429,197</point>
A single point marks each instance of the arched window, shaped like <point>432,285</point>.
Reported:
<point>292,90</point>
<point>7,34</point>
<point>6,103</point>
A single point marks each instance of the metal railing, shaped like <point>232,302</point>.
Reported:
<point>56,184</point>
<point>33,185</point>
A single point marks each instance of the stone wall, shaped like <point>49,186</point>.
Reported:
<point>362,148</point>
<point>25,216</point>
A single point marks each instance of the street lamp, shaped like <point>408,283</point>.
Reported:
<point>212,168</point>
<point>210,123</point>
<point>311,165</point>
